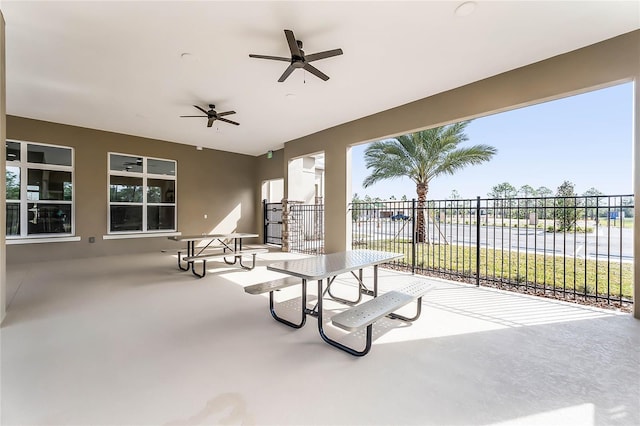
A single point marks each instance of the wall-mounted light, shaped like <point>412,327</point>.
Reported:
<point>269,154</point>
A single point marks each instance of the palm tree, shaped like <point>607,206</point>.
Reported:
<point>422,156</point>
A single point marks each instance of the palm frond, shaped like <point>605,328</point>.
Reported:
<point>423,155</point>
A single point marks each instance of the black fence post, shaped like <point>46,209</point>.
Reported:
<point>264,221</point>
<point>413,236</point>
<point>478,241</point>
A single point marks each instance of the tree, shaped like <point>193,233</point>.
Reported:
<point>455,195</point>
<point>591,201</point>
<point>423,156</point>
<point>503,192</point>
<point>566,206</point>
<point>356,207</point>
<point>12,184</point>
<point>526,191</point>
<point>543,204</point>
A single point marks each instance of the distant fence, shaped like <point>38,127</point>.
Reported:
<point>569,246</point>
<point>572,247</point>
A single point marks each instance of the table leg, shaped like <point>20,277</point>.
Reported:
<point>190,245</point>
<point>303,309</point>
<point>332,342</point>
<point>375,280</point>
<point>235,249</point>
<point>362,289</point>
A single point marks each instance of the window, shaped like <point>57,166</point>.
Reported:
<point>142,194</point>
<point>39,186</point>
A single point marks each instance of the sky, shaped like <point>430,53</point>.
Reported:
<point>585,139</point>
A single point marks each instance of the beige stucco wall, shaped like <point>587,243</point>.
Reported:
<point>216,183</point>
<point>606,63</point>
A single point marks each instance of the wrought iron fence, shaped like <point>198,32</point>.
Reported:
<point>572,247</point>
<point>306,228</point>
<point>578,247</point>
<point>272,214</point>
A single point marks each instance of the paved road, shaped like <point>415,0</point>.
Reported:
<point>614,242</point>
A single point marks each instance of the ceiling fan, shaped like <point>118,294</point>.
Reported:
<point>212,115</point>
<point>128,165</point>
<point>298,59</point>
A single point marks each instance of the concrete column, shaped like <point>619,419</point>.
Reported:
<point>636,192</point>
<point>290,227</point>
<point>337,231</point>
<point>3,189</point>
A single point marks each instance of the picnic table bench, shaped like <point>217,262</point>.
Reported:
<point>367,313</point>
<point>224,251</point>
<point>224,255</point>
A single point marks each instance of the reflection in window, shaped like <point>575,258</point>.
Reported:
<point>142,194</point>
<point>126,218</point>
<point>48,218</point>
<point>126,189</point>
<point>13,219</point>
<point>43,205</point>
<point>13,182</point>
<point>48,185</point>
<point>161,167</point>
<point>13,151</point>
<point>125,163</point>
<point>160,217</point>
<point>160,191</point>
<point>45,154</point>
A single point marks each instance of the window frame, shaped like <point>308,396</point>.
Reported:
<point>145,204</point>
<point>24,166</point>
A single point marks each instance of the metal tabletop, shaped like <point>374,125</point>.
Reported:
<point>212,236</point>
<point>329,265</point>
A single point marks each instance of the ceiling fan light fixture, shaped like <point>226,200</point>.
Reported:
<point>466,8</point>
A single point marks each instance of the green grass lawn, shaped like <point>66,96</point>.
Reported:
<point>570,274</point>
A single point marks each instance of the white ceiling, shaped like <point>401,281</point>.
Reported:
<point>118,66</point>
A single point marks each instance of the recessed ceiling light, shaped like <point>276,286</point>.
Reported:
<point>466,8</point>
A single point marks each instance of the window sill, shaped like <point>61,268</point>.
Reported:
<point>41,240</point>
<point>140,235</point>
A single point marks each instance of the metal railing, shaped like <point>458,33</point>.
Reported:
<point>578,247</point>
<point>306,228</point>
<point>570,247</point>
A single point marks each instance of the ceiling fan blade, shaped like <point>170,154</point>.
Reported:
<point>210,122</point>
<point>275,58</point>
<point>323,55</point>
<point>293,44</point>
<point>286,73</point>
<point>315,71</point>
<point>222,114</point>
<point>228,121</point>
<point>201,109</point>
<point>187,116</point>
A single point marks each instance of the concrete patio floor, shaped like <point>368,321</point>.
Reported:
<point>132,340</point>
